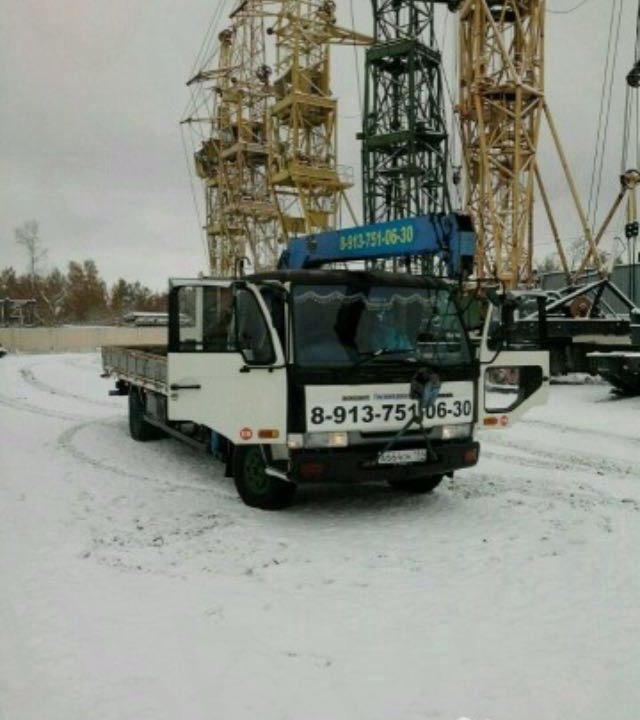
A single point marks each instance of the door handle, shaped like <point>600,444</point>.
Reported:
<point>175,386</point>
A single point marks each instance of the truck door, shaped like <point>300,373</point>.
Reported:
<point>514,372</point>
<point>226,367</point>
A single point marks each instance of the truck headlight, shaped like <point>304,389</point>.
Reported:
<point>295,441</point>
<point>454,432</point>
<point>326,439</point>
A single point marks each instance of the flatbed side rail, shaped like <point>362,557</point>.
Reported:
<point>146,367</point>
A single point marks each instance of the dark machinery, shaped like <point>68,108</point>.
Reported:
<point>582,319</point>
<point>622,367</point>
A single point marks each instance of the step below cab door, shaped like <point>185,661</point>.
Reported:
<point>514,371</point>
<point>226,366</point>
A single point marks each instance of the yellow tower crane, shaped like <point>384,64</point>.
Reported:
<point>501,107</point>
<point>242,217</point>
<point>305,173</point>
<point>269,161</point>
<point>221,240</point>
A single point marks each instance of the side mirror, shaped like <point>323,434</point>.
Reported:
<point>507,387</point>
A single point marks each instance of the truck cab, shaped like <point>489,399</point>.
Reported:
<point>296,376</point>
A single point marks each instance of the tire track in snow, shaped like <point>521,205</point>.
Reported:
<point>546,458</point>
<point>596,433</point>
<point>24,406</point>
<point>65,442</point>
<point>28,376</point>
<point>143,521</point>
<point>580,495</point>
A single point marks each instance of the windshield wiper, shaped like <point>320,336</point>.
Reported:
<point>366,357</point>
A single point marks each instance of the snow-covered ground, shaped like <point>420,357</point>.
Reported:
<point>134,583</point>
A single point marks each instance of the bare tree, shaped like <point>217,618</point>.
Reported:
<point>548,264</point>
<point>28,236</point>
<point>52,290</point>
<point>576,253</point>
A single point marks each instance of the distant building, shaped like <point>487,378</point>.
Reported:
<point>20,313</point>
<point>139,318</point>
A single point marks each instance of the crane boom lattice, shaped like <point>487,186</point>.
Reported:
<point>404,133</point>
<point>242,212</point>
<point>501,106</point>
<point>305,173</point>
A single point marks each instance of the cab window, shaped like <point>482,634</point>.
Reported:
<point>202,319</point>
<point>251,330</point>
<point>217,312</point>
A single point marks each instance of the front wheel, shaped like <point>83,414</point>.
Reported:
<point>425,484</point>
<point>255,487</point>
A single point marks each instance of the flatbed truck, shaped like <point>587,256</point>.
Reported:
<point>315,375</point>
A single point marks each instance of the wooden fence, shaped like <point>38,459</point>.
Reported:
<point>77,338</point>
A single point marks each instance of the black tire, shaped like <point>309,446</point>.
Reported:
<point>255,487</point>
<point>420,485</point>
<point>139,428</point>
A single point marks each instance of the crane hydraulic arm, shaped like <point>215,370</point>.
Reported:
<point>448,237</point>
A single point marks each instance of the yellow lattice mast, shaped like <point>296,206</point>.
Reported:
<point>501,105</point>
<point>305,171</point>
<point>242,218</point>
<point>501,108</point>
<point>220,243</point>
<point>247,139</point>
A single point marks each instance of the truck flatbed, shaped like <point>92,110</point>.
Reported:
<point>144,366</point>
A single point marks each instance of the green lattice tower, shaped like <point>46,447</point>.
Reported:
<point>404,133</point>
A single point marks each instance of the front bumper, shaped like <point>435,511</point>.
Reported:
<point>358,463</point>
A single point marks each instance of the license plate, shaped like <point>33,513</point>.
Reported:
<point>402,457</point>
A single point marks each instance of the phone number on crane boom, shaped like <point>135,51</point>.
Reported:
<point>390,237</point>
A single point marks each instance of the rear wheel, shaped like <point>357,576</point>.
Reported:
<point>139,428</point>
<point>425,484</point>
<point>255,487</point>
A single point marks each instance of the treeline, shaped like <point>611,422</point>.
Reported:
<point>79,295</point>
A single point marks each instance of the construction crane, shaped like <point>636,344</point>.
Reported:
<point>308,181</point>
<point>270,160</point>
<point>242,218</point>
<point>501,99</point>
<point>632,130</point>
<point>404,131</point>
<point>501,107</point>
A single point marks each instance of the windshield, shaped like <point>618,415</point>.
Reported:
<point>344,325</point>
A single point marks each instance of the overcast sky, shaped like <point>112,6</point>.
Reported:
<point>92,91</point>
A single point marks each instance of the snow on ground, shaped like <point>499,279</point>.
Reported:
<point>135,584</point>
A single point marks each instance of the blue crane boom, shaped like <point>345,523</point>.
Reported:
<point>448,237</point>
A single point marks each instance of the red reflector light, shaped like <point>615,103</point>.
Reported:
<point>311,469</point>
<point>471,455</point>
<point>491,421</point>
<point>268,433</point>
